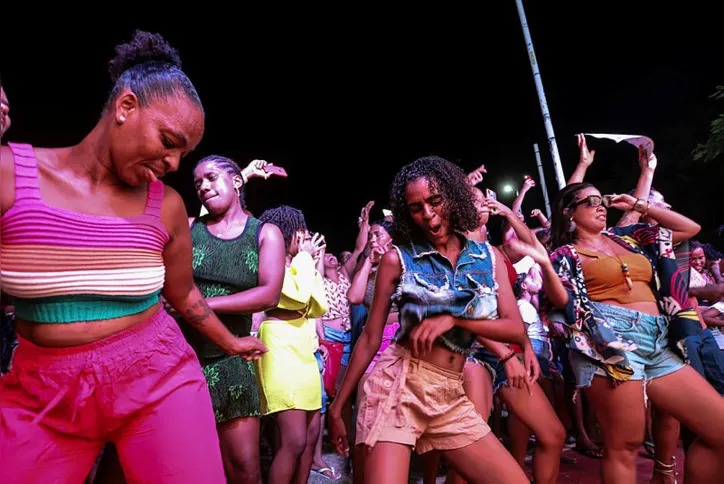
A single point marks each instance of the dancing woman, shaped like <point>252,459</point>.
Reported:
<point>90,238</point>
<point>445,287</point>
<point>239,268</point>
<point>619,314</point>
<point>288,374</point>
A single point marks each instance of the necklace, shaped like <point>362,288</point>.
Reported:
<point>624,268</point>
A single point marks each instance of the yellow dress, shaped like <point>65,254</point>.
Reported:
<point>288,374</point>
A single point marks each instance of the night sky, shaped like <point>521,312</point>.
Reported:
<point>343,99</point>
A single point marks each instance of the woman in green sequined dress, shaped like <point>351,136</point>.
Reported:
<point>238,266</point>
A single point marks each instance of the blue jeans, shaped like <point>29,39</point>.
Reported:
<point>651,359</point>
<point>542,350</point>
<point>706,358</point>
<point>320,365</point>
<point>338,336</point>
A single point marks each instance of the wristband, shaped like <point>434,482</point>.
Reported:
<point>507,357</point>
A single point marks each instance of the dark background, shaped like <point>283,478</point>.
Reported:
<point>343,98</point>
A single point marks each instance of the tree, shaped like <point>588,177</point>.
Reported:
<point>715,144</point>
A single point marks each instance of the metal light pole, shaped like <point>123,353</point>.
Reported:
<point>543,185</point>
<point>560,178</point>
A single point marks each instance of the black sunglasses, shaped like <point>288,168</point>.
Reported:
<point>594,201</point>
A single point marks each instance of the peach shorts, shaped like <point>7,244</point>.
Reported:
<point>412,402</point>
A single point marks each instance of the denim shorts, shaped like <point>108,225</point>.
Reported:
<point>496,369</point>
<point>651,359</point>
<point>338,336</point>
<point>542,351</point>
<point>320,365</point>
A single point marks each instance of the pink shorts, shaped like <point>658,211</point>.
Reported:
<point>409,401</point>
<point>388,334</point>
<point>141,389</point>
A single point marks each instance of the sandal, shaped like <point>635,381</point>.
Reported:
<point>668,470</point>
<point>650,449</point>
<point>590,452</point>
<point>330,470</point>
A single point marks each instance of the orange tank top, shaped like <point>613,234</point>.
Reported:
<point>605,281</point>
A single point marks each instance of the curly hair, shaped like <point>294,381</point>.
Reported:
<point>230,167</point>
<point>288,219</point>
<point>151,68</point>
<point>444,177</point>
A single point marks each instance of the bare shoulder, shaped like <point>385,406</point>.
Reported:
<point>172,199</point>
<point>7,179</point>
<point>499,255</point>
<point>173,211</point>
<point>391,264</point>
<point>270,232</point>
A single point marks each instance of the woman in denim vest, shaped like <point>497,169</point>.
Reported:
<point>446,289</point>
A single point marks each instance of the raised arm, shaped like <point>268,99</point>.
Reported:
<point>647,162</point>
<point>181,292</point>
<point>553,286</point>
<point>362,236</point>
<point>585,159</point>
<point>358,287</point>
<point>682,227</point>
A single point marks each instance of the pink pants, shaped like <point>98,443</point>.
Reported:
<point>141,389</point>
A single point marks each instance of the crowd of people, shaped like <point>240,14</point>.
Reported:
<point>143,345</point>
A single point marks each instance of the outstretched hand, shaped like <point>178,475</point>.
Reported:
<point>585,157</point>
<point>476,176</point>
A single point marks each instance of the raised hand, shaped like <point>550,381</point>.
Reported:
<point>623,202</point>
<point>497,208</point>
<point>476,176</point>
<point>528,184</point>
<point>647,160</point>
<point>255,169</point>
<point>364,216</point>
<point>585,157</point>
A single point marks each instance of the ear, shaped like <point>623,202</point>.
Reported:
<point>238,182</point>
<point>126,106</point>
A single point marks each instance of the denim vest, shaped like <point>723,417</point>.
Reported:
<point>430,286</point>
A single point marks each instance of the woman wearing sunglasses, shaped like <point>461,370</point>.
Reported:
<point>620,297</point>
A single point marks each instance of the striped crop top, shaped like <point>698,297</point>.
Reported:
<point>62,267</point>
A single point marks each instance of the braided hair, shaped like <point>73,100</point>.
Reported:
<point>230,167</point>
<point>288,219</point>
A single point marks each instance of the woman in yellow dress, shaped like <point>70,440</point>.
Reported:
<point>288,374</point>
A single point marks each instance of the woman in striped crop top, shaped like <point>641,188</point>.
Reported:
<point>90,238</point>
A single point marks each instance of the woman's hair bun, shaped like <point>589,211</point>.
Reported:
<point>144,47</point>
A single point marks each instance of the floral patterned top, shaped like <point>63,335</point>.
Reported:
<point>593,336</point>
